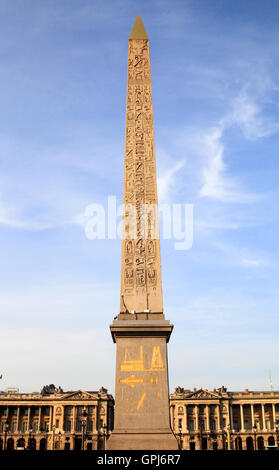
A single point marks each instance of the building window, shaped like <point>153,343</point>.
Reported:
<point>14,426</point>
<point>79,410</point>
<point>90,426</point>
<point>14,411</point>
<point>46,426</point>
<point>202,424</point>
<point>36,412</point>
<point>212,425</point>
<point>24,426</point>
<point>236,426</point>
<point>90,410</point>
<point>246,425</point>
<point>191,425</point>
<point>68,410</point>
<point>212,409</point>
<point>35,426</point>
<point>25,411</point>
<point>79,426</point>
<point>190,410</point>
<point>68,426</point>
<point>47,411</point>
<point>201,408</point>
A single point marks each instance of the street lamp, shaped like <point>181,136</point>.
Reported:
<point>180,434</point>
<point>6,429</point>
<point>237,440</point>
<point>228,430</point>
<point>29,440</point>
<point>255,434</point>
<point>59,439</point>
<point>83,426</point>
<point>53,431</point>
<point>104,431</point>
<point>213,438</point>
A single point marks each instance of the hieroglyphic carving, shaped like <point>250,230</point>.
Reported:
<point>141,264</point>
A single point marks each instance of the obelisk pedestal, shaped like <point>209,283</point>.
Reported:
<point>140,331</point>
<point>142,418</point>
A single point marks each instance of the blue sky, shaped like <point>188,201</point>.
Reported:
<point>62,119</point>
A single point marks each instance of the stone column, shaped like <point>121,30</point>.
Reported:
<point>50,418</point>
<point>252,415</point>
<point>63,417</point>
<point>186,419</point>
<point>73,418</point>
<point>219,424</point>
<point>273,415</point>
<point>207,419</point>
<point>40,419</point>
<point>28,418</point>
<point>172,416</point>
<point>18,419</point>
<point>263,418</point>
<point>231,416</point>
<point>241,418</point>
<point>196,418</point>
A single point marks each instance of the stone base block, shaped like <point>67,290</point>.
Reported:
<point>142,441</point>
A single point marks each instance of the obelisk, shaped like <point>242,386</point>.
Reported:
<point>140,331</point>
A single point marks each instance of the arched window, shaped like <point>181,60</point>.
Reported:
<point>43,444</point>
<point>192,445</point>
<point>204,443</point>
<point>271,441</point>
<point>10,444</point>
<point>260,441</point>
<point>21,443</point>
<point>238,443</point>
<point>32,444</point>
<point>249,443</point>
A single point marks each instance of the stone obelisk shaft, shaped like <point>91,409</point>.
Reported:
<point>140,331</point>
<point>141,264</point>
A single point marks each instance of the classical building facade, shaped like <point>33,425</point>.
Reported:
<point>218,419</point>
<point>76,420</point>
<point>53,419</point>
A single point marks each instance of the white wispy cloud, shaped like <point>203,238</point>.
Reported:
<point>10,218</point>
<point>217,183</point>
<point>166,180</point>
<point>248,116</point>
